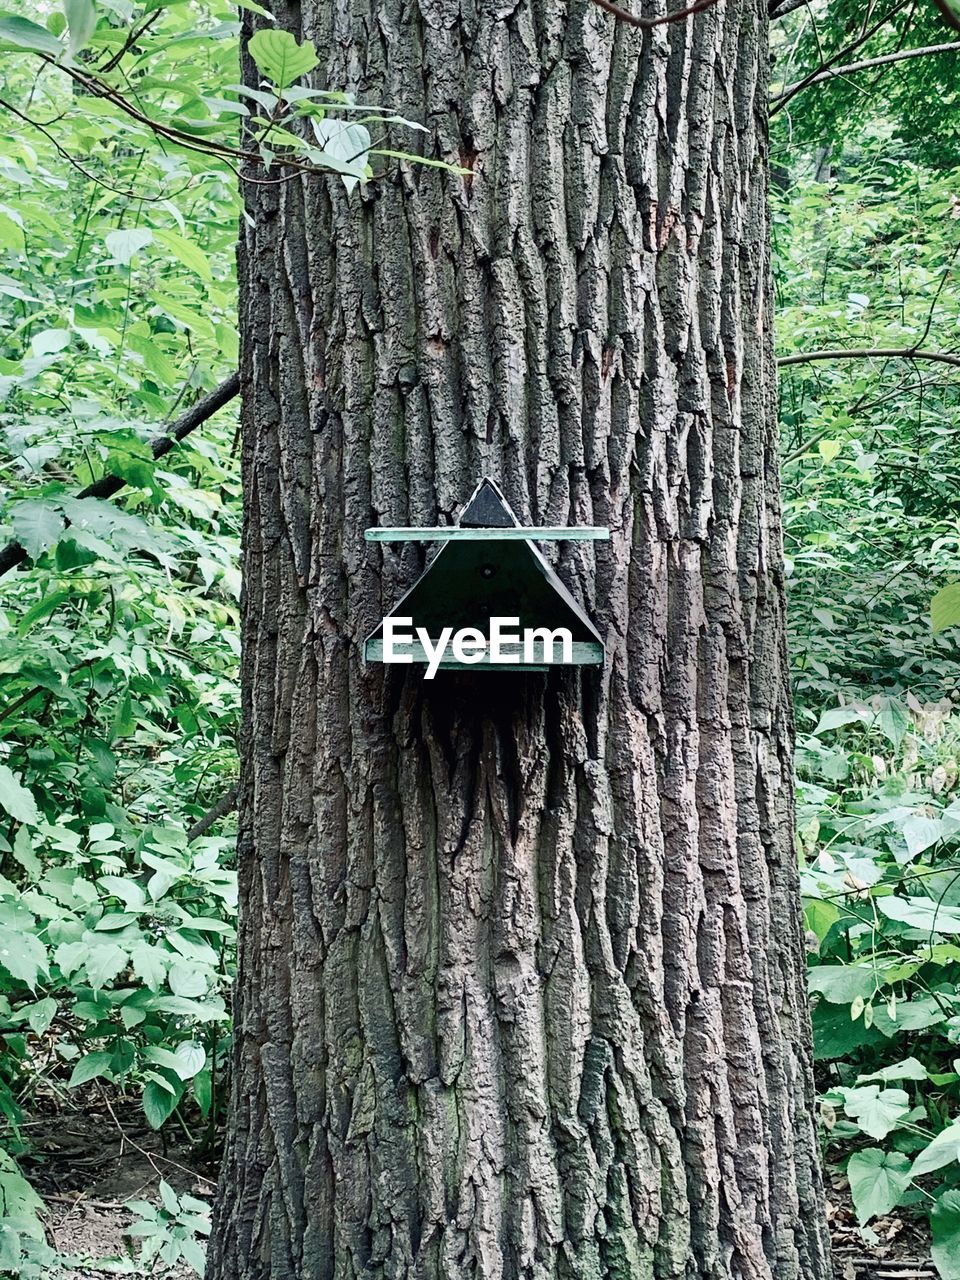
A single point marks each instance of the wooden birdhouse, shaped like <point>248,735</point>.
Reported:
<point>488,598</point>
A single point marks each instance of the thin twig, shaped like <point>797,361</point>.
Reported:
<point>831,72</point>
<point>871,353</point>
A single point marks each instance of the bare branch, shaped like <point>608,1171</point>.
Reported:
<point>871,353</point>
<point>223,806</point>
<point>837,58</point>
<point>866,65</point>
<point>645,24</point>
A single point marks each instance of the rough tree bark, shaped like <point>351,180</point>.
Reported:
<point>521,988</point>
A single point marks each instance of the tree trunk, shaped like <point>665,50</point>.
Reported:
<point>521,988</point>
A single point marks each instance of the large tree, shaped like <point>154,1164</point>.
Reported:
<point>521,988</point>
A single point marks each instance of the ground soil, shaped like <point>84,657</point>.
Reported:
<point>87,1163</point>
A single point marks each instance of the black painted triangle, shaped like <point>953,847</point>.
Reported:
<point>487,508</point>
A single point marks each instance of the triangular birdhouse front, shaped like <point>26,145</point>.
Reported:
<point>488,573</point>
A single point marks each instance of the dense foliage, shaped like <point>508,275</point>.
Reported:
<point>118,631</point>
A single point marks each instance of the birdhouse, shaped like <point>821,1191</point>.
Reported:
<point>488,598</point>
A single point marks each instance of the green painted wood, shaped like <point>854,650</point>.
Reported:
<point>518,533</point>
<point>584,653</point>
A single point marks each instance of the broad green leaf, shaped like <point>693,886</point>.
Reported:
<point>877,1111</point>
<point>158,1103</point>
<point>124,244</point>
<point>280,58</point>
<point>945,607</point>
<point>877,1181</point>
<point>192,1057</point>
<point>21,33</point>
<point>187,980</point>
<point>894,720</point>
<point>81,18</point>
<point>943,1150</point>
<point>24,854</point>
<point>41,1014</point>
<point>37,525</point>
<point>837,717</point>
<point>50,341</point>
<point>843,983</point>
<point>829,449</point>
<point>945,1229</point>
<point>346,145</point>
<point>16,799</point>
<point>10,1250</point>
<point>90,1067</point>
<point>11,235</point>
<point>149,965</point>
<point>920,913</point>
<point>104,962</point>
<point>908,1069</point>
<point>185,251</point>
<point>128,890</point>
<point>23,955</point>
<point>192,1250</point>
<point>921,832</point>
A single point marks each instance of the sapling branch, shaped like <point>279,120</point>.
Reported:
<point>14,553</point>
<point>871,353</point>
<point>867,64</point>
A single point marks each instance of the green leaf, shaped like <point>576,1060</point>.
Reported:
<point>908,1069</point>
<point>877,1111</point>
<point>187,979</point>
<point>41,1014</point>
<point>158,1104</point>
<point>193,1253</point>
<point>50,341</point>
<point>126,889</point>
<point>36,525</point>
<point>945,607</point>
<point>894,720</point>
<point>837,717</point>
<point>191,1056</point>
<point>920,913</point>
<point>21,33</point>
<point>24,854</point>
<point>185,251</point>
<point>16,799</point>
<point>945,1229</point>
<point>279,58</point>
<point>23,955</point>
<point>202,1088</point>
<point>877,1181</point>
<point>81,23</point>
<point>843,983</point>
<point>11,235</point>
<point>943,1150</point>
<point>921,832</point>
<point>104,961</point>
<point>90,1067</point>
<point>122,245</point>
<point>149,966</point>
<point>346,145</point>
<point>9,1249</point>
<point>829,449</point>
